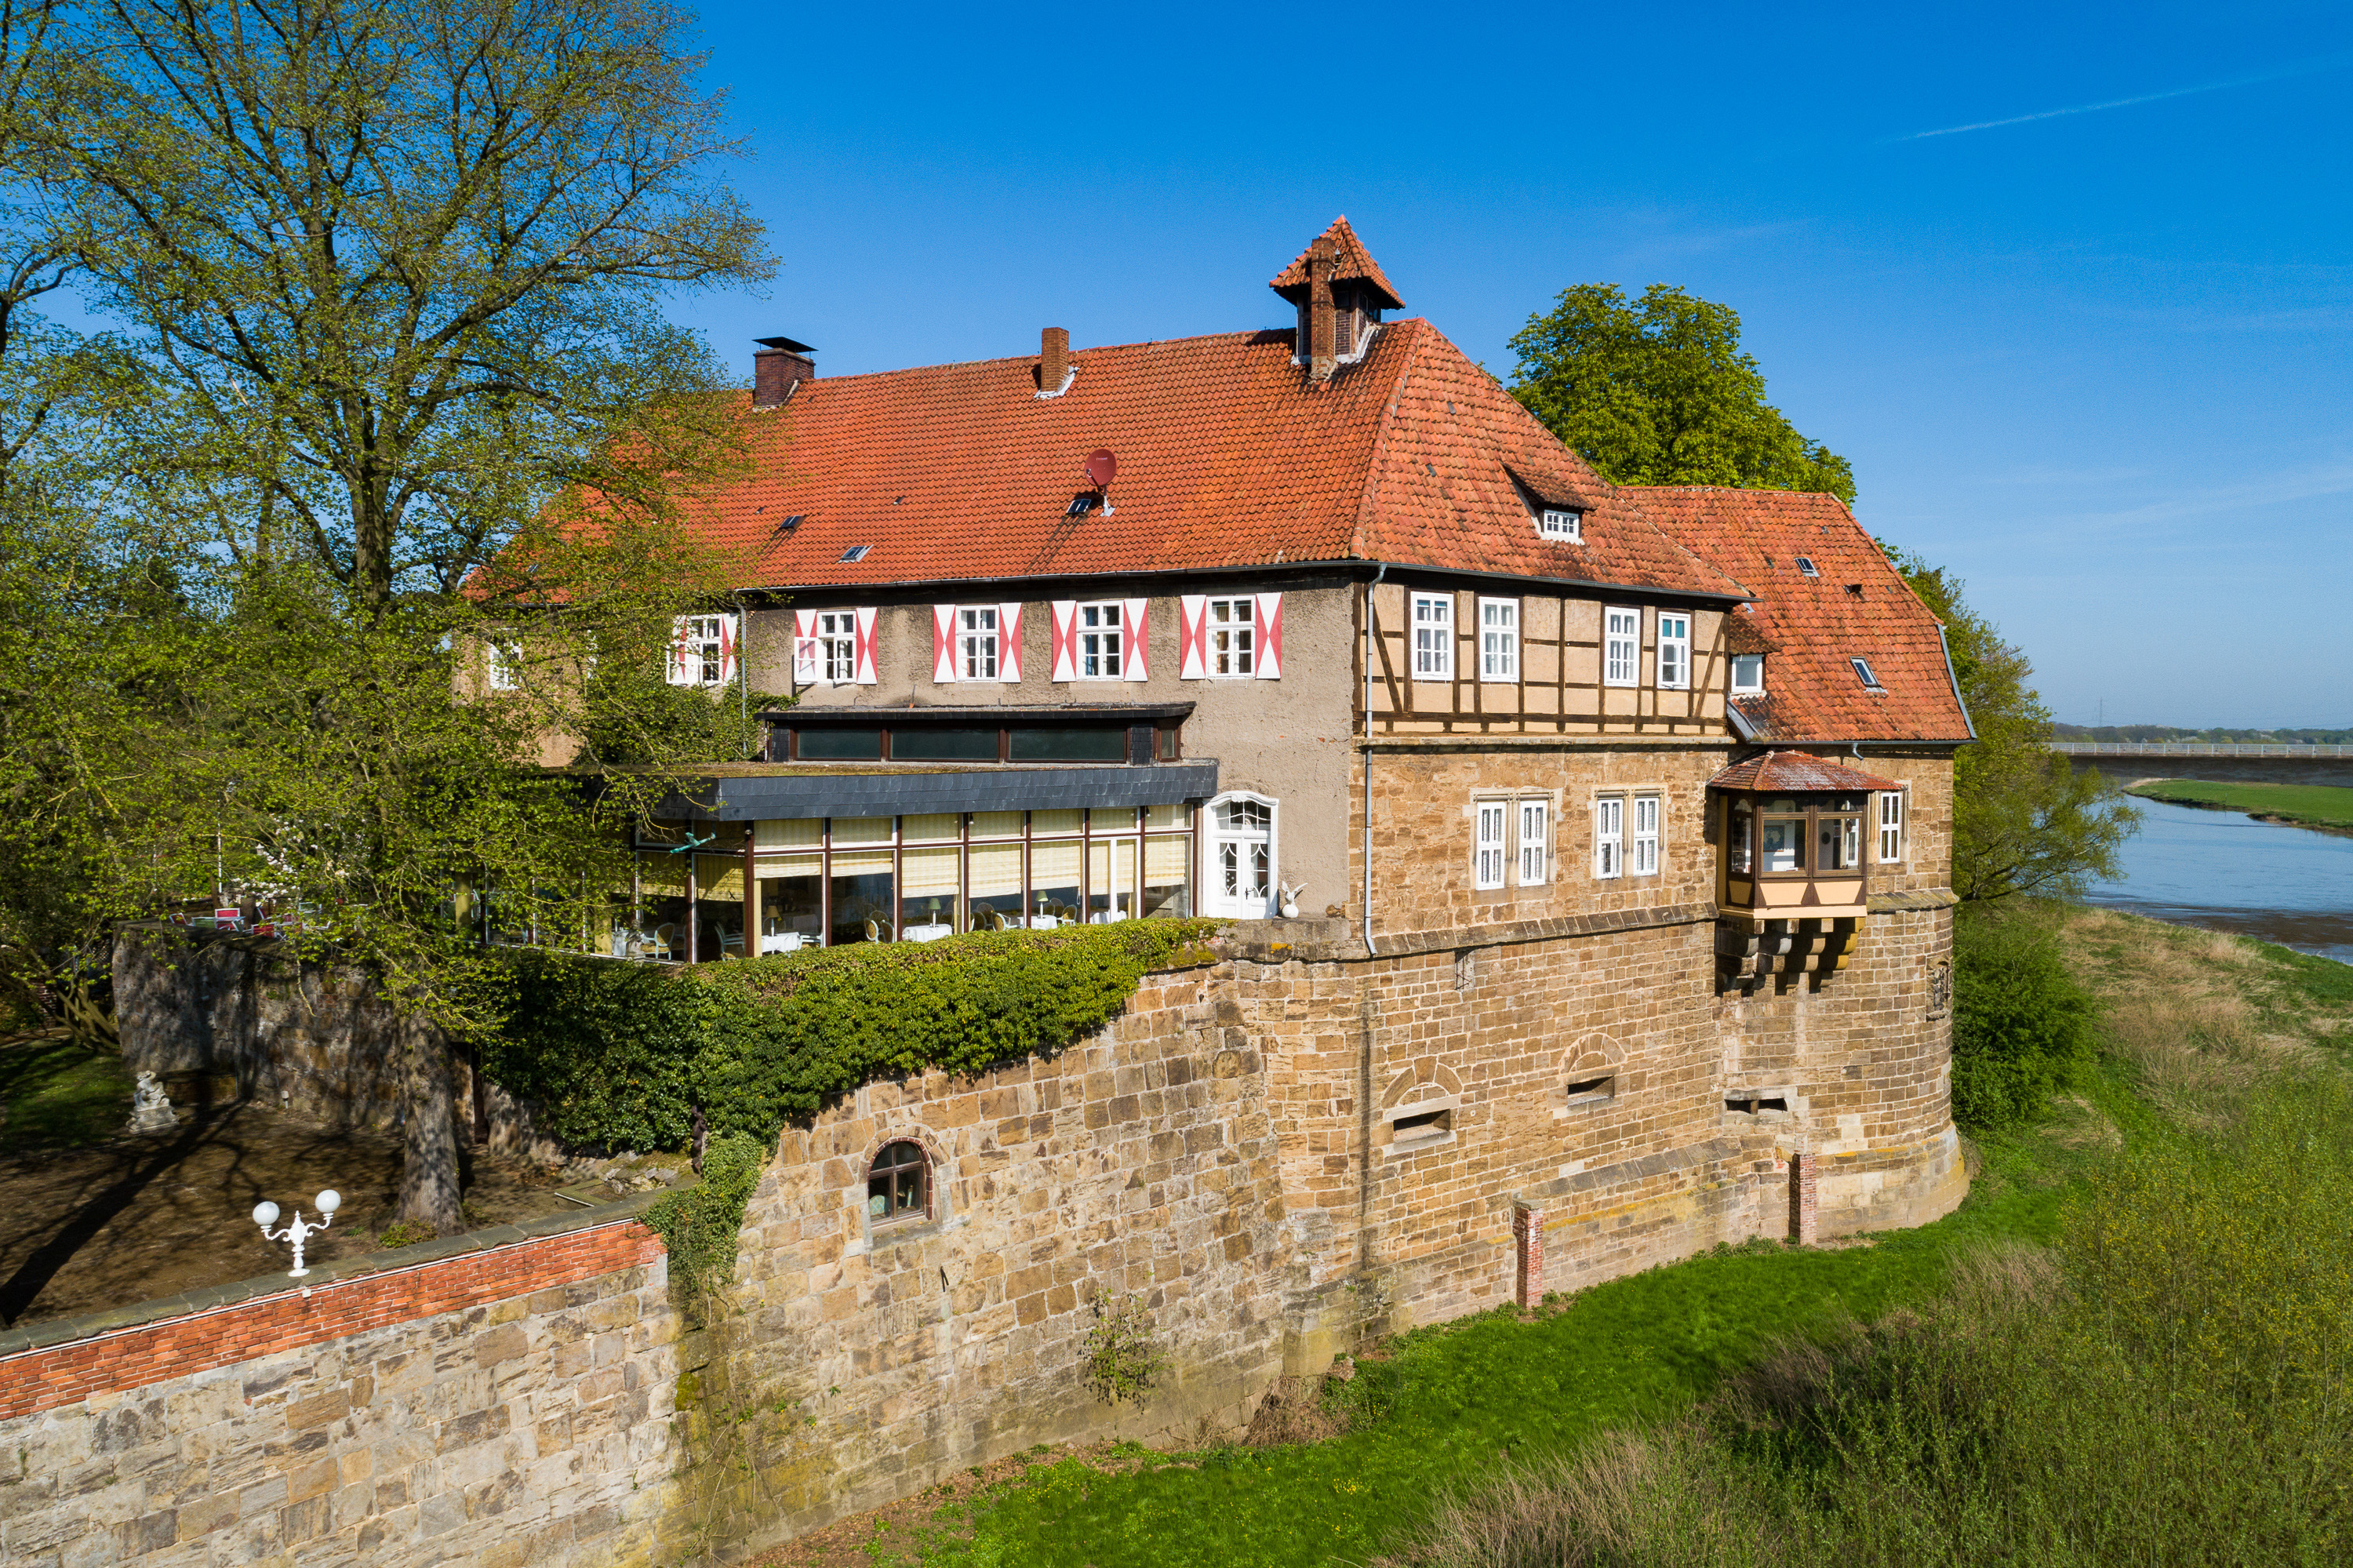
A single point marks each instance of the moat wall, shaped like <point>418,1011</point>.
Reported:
<point>1228,1154</point>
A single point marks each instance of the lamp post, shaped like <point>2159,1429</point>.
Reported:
<point>298,1230</point>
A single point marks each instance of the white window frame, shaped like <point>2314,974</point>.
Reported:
<point>1675,640</point>
<point>1894,811</point>
<point>1608,837</point>
<point>837,646</point>
<point>701,646</point>
<point>979,651</point>
<point>1214,897</point>
<point>1867,675</point>
<point>1490,842</point>
<point>1534,826</point>
<point>1499,639</point>
<point>1755,662</point>
<point>1098,638</point>
<point>503,664</point>
<point>1642,838</point>
<point>1432,618</point>
<point>1557,523</point>
<point>1621,646</point>
<point>1229,647</point>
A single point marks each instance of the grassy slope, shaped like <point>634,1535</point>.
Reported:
<point>58,1094</point>
<point>2321,805</point>
<point>1456,1400</point>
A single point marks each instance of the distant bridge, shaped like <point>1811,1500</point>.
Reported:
<point>2198,748</point>
<point>2222,761</point>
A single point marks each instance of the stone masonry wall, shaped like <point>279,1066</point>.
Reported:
<point>494,1408</point>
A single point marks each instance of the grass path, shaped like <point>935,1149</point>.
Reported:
<point>2306,805</point>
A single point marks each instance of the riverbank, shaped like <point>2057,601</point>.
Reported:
<point>2321,807</point>
<point>2223,870</point>
<point>2192,1022</point>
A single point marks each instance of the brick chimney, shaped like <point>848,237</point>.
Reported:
<point>1053,359</point>
<point>780,365</point>
<point>1321,359</point>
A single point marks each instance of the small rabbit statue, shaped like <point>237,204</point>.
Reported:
<point>1291,892</point>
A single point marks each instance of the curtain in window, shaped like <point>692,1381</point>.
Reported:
<point>995,880</point>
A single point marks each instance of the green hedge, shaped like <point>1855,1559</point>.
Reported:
<point>619,1053</point>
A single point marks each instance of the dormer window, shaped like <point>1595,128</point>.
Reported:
<point>1862,672</point>
<point>1558,522</point>
<point>1748,674</point>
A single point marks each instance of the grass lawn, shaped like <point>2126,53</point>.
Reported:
<point>58,1094</point>
<point>2320,805</point>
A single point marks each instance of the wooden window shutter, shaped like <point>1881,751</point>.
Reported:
<point>805,659</point>
<point>1066,638</point>
<point>1270,636</point>
<point>676,674</point>
<point>1135,640</point>
<point>866,645</point>
<point>943,644</point>
<point>730,642</point>
<point>1008,643</point>
<point>1193,637</point>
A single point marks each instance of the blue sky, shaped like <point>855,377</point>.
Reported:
<point>2094,358</point>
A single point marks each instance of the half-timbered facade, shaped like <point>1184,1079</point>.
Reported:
<point>1605,832</point>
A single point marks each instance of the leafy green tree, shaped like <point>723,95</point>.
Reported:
<point>1657,391</point>
<point>2021,1022</point>
<point>2025,821</point>
<point>401,435</point>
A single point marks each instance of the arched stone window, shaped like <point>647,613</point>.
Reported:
<point>899,1184</point>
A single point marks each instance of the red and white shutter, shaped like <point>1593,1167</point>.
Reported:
<point>943,644</point>
<point>805,659</point>
<point>1135,640</point>
<point>1066,638</point>
<point>866,644</point>
<point>1008,643</point>
<point>1193,637</point>
<point>676,672</point>
<point>730,643</point>
<point>1270,636</point>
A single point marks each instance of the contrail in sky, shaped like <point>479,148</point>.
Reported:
<point>2327,62</point>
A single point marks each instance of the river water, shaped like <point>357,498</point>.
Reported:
<point>2230,872</point>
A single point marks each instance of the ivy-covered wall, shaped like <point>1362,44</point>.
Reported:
<point>620,1054</point>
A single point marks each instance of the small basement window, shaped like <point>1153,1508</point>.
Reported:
<point>899,1184</point>
<point>1591,1091</point>
<point>1751,1105</point>
<point>1416,1128</point>
<point>1864,671</point>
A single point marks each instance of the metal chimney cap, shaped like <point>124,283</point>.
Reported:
<point>788,344</point>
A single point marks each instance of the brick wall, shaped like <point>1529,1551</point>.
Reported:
<point>494,1408</point>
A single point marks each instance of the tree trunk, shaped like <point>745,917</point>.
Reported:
<point>428,1167</point>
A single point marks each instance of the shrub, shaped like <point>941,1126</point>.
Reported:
<point>698,1226</point>
<point>2021,1024</point>
<point>1122,1358</point>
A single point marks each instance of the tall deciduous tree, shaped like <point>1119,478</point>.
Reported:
<point>394,271</point>
<point>2025,821</point>
<point>1659,391</point>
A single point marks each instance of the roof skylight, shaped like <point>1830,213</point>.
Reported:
<point>1862,670</point>
<point>1806,564</point>
<point>856,551</point>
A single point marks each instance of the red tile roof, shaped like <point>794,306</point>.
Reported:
<point>1228,458</point>
<point>1794,772</point>
<point>1856,607</point>
<point>1351,260</point>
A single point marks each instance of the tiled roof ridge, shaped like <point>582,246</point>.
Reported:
<point>1629,493</point>
<point>1246,334</point>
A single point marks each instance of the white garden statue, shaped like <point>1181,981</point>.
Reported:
<point>151,1108</point>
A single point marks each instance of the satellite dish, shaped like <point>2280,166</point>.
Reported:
<point>1102,466</point>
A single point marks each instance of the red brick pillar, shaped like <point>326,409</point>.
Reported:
<point>1527,1248</point>
<point>1801,1198</point>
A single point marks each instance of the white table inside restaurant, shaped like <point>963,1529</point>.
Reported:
<point>781,942</point>
<point>931,933</point>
